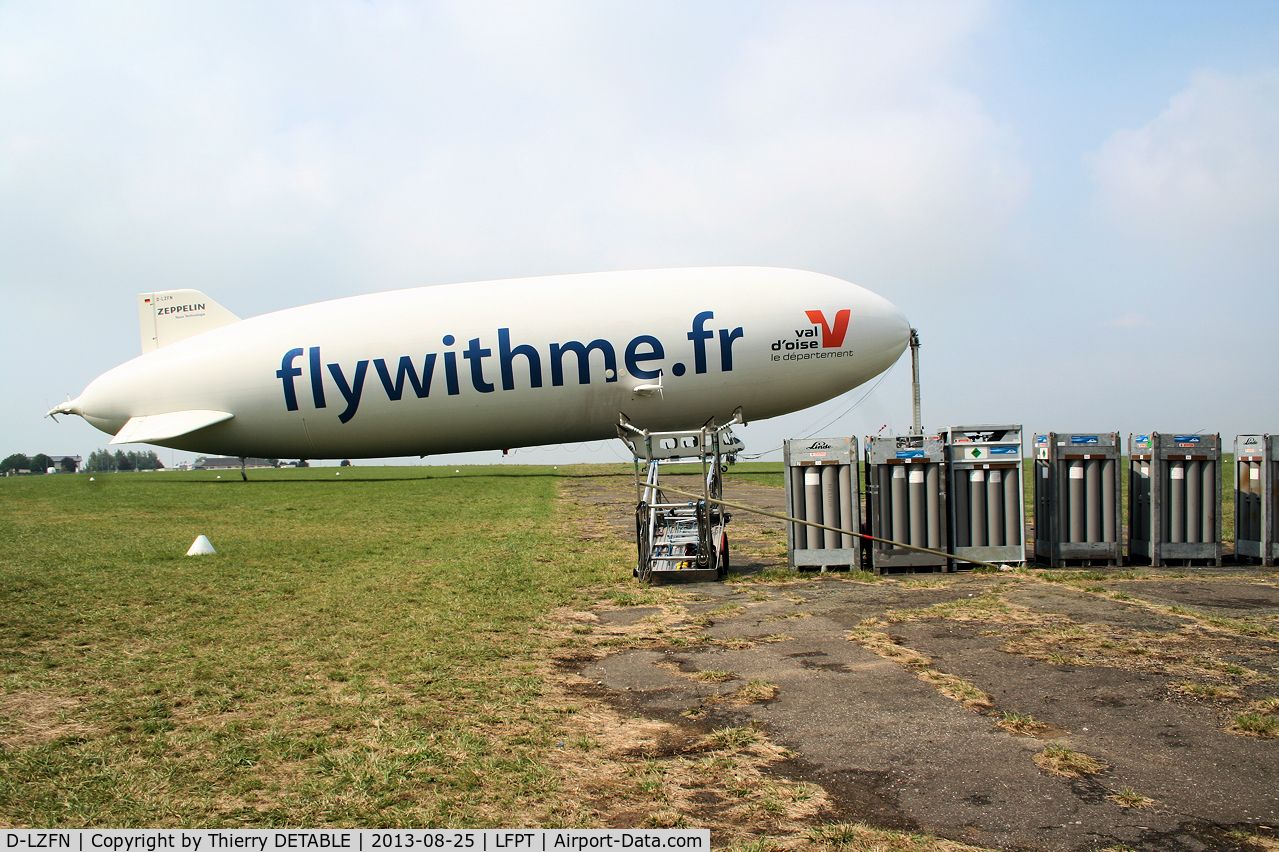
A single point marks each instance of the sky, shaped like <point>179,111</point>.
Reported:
<point>1076,204</point>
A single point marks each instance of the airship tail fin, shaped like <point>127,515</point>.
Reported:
<point>168,316</point>
<point>151,428</point>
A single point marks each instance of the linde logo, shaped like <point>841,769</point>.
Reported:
<point>831,337</point>
<point>819,445</point>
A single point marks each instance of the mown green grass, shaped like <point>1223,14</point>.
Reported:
<point>362,650</point>
<point>764,473</point>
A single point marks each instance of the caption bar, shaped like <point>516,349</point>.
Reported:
<point>356,840</point>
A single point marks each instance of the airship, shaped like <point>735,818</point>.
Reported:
<point>492,365</point>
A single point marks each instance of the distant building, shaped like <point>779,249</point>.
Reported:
<point>227,462</point>
<point>56,462</point>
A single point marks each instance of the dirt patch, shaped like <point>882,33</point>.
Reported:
<point>1087,608</point>
<point>894,699</point>
<point>622,769</point>
<point>27,719</point>
<point>1212,596</point>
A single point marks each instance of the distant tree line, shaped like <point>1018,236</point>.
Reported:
<point>38,463</point>
<point>100,461</point>
<point>104,461</point>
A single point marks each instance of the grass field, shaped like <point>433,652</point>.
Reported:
<point>369,646</point>
<point>365,648</point>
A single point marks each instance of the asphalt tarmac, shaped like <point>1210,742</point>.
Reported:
<point>1143,675</point>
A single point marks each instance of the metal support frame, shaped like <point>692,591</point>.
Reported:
<point>1256,509</point>
<point>987,505</point>
<point>1078,513</point>
<point>681,541</point>
<point>906,501</point>
<point>1174,498</point>
<point>916,427</point>
<point>823,487</point>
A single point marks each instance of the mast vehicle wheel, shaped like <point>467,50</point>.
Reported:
<point>723,555</point>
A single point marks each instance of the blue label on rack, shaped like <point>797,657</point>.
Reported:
<point>1186,439</point>
<point>1041,439</point>
<point>910,454</point>
<point>1005,451</point>
<point>1083,439</point>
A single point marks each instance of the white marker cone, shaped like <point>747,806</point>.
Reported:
<point>201,547</point>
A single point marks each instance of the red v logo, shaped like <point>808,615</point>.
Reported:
<point>831,337</point>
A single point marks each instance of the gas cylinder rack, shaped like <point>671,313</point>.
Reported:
<point>1174,498</point>
<point>987,498</point>
<point>822,487</point>
<point>906,500</point>
<point>1077,504</point>
<point>681,539</point>
<point>1256,468</point>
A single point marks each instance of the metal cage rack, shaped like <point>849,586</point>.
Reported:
<point>1077,498</point>
<point>1174,498</point>
<point>906,500</point>
<point>1256,508</point>
<point>987,505</point>
<point>823,487</point>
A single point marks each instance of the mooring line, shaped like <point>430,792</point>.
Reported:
<point>861,535</point>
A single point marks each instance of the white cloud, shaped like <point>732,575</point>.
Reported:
<point>1128,321</point>
<point>1200,183</point>
<point>831,59</point>
<point>276,155</point>
<point>418,137</point>
<point>834,135</point>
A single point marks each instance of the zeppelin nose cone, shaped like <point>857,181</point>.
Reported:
<point>885,334</point>
<point>71,406</point>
